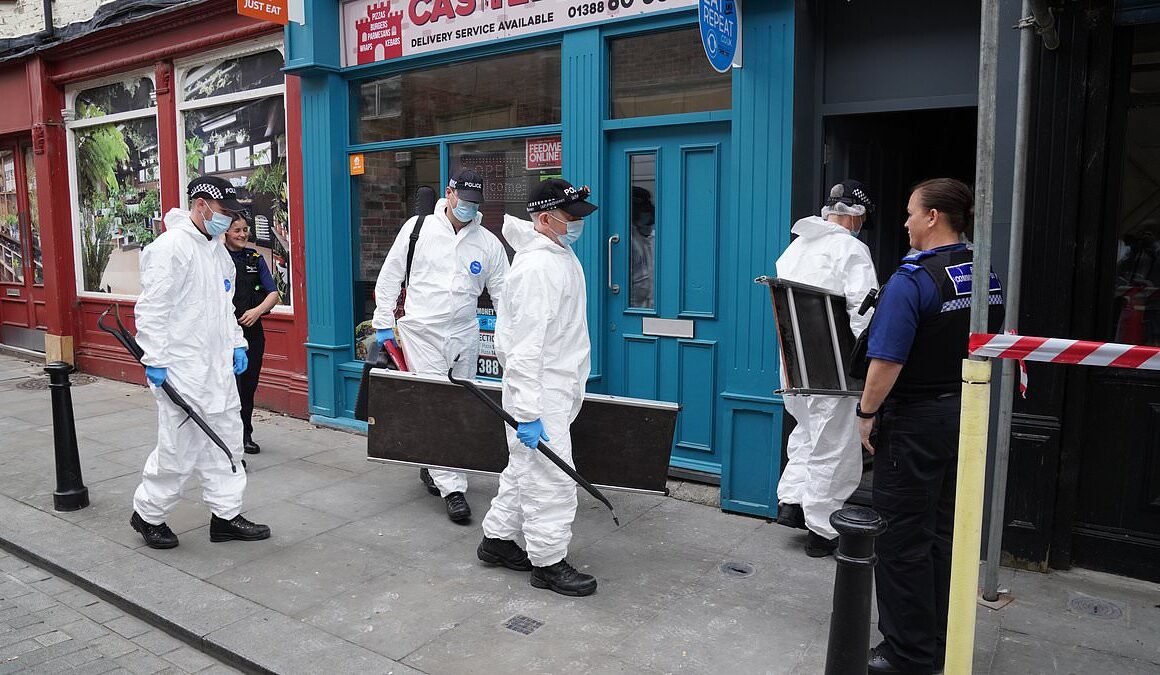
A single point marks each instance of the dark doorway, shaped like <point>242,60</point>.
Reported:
<point>1116,525</point>
<point>890,152</point>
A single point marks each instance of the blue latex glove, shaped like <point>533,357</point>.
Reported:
<point>530,433</point>
<point>156,376</point>
<point>384,334</point>
<point>241,361</point>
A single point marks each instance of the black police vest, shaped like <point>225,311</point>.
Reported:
<point>248,291</point>
<point>934,365</point>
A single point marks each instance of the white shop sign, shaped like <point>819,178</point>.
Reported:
<point>380,30</point>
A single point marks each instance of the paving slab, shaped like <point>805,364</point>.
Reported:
<point>284,645</point>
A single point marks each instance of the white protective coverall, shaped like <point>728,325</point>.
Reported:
<point>448,273</point>
<point>825,458</point>
<point>541,339</point>
<point>185,323</point>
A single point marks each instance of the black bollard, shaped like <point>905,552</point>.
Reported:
<point>71,493</point>
<point>849,644</point>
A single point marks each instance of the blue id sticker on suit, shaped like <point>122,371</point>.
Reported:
<point>475,267</point>
<point>227,284</point>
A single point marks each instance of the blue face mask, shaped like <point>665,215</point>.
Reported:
<point>575,229</point>
<point>217,223</point>
<point>465,211</point>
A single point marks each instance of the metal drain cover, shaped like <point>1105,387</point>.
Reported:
<point>524,625</point>
<point>75,379</point>
<point>736,569</point>
<point>1097,607</point>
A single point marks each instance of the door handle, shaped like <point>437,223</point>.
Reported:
<point>615,288</point>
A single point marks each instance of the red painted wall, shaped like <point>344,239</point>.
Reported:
<point>16,113</point>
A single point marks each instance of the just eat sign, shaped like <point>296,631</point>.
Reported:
<point>267,10</point>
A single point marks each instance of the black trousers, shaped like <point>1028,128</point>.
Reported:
<point>248,380</point>
<point>914,490</point>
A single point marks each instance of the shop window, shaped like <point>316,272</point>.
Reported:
<point>664,74</point>
<point>642,235</point>
<point>513,90</point>
<point>11,257</point>
<point>118,97</point>
<point>33,216</point>
<point>115,180</point>
<point>1136,300</point>
<point>386,199</point>
<point>233,114</point>
<point>233,76</point>
<point>509,168</point>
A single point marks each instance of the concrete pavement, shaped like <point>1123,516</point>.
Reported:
<point>364,572</point>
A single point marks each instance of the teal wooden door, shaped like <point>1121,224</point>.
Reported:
<point>664,210</point>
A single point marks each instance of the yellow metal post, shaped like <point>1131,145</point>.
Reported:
<point>968,516</point>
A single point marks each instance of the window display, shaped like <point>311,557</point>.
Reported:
<point>234,121</point>
<point>116,187</point>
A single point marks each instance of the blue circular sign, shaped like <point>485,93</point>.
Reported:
<point>475,267</point>
<point>720,32</point>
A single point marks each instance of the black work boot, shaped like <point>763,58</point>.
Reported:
<point>250,447</point>
<point>457,508</point>
<point>564,579</point>
<point>791,515</point>
<point>155,536</point>
<point>818,546</point>
<point>503,552</point>
<point>238,528</point>
<point>428,482</point>
<point>879,664</point>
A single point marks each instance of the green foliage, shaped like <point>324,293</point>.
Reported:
<point>270,180</point>
<point>139,221</point>
<point>193,155</point>
<point>100,150</point>
<point>96,231</point>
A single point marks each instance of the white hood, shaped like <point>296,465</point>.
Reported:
<point>521,235</point>
<point>813,227</point>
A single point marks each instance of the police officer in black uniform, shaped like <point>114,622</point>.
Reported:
<point>255,294</point>
<point>917,342</point>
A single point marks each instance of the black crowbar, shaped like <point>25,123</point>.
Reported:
<point>122,335</point>
<point>542,447</point>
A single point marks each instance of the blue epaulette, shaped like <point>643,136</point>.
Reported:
<point>917,255</point>
<point>911,262</point>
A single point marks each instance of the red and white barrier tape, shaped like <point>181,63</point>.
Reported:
<point>1059,350</point>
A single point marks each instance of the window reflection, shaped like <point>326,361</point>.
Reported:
<point>386,200</point>
<point>11,257</point>
<point>232,76</point>
<point>33,216</point>
<point>245,143</point>
<point>642,234</point>
<point>514,90</point>
<point>120,201</point>
<point>1137,293</point>
<point>665,73</point>
<point>507,178</point>
<point>119,97</point>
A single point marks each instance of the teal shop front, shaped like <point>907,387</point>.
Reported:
<point>690,168</point>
